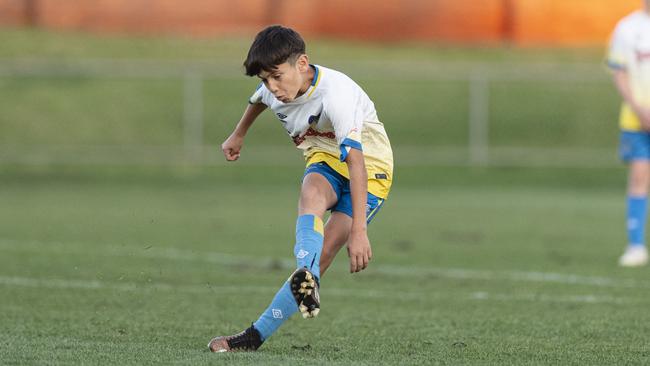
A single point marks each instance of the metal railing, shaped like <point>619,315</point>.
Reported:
<point>478,76</point>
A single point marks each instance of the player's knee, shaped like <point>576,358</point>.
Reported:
<point>639,180</point>
<point>313,198</point>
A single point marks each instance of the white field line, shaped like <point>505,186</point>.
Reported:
<point>409,296</point>
<point>176,254</point>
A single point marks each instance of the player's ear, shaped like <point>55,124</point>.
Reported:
<point>303,63</point>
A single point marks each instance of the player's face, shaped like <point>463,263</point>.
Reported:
<point>288,81</point>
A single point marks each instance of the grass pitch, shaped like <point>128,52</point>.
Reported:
<point>471,266</point>
<point>139,265</point>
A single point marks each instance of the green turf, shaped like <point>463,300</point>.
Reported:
<point>138,264</point>
<point>472,266</point>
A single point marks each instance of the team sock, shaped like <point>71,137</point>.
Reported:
<point>636,219</point>
<point>309,244</point>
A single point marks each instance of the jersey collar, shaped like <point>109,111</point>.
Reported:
<point>312,87</point>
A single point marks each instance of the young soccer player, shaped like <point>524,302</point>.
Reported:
<point>629,58</point>
<point>349,170</point>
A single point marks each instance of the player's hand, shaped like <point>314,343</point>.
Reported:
<point>359,251</point>
<point>232,146</point>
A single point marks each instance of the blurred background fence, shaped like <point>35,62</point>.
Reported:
<point>158,112</point>
<point>151,95</point>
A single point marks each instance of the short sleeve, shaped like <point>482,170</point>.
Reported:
<point>619,48</point>
<point>346,114</point>
<point>258,95</point>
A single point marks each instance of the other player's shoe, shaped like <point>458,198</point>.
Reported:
<point>304,288</point>
<point>248,340</point>
<point>634,256</point>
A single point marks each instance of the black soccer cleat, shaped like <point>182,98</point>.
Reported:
<point>248,340</point>
<point>304,288</point>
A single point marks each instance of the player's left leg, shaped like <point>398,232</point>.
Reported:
<point>635,151</point>
<point>636,253</point>
<point>339,225</point>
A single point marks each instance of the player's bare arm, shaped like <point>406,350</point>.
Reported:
<point>622,81</point>
<point>358,244</point>
<point>232,146</point>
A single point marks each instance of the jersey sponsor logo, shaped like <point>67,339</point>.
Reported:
<point>642,56</point>
<point>311,132</point>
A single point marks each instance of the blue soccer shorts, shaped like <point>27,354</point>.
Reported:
<point>341,186</point>
<point>634,146</point>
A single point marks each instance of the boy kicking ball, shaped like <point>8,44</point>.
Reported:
<point>349,170</point>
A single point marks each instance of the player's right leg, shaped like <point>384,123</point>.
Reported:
<point>635,150</point>
<point>300,291</point>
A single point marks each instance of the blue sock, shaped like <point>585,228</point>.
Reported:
<point>637,208</point>
<point>281,309</point>
<point>309,243</point>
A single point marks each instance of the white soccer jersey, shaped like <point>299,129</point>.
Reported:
<point>333,116</point>
<point>630,51</point>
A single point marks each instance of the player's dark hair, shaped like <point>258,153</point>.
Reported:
<point>273,46</point>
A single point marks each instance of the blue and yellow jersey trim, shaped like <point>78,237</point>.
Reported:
<point>628,120</point>
<point>315,81</point>
<point>348,144</point>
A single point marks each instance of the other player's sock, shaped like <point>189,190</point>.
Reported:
<point>309,244</point>
<point>637,208</point>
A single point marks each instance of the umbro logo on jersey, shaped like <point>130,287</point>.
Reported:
<point>281,116</point>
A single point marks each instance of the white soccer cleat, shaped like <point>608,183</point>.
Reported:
<point>634,256</point>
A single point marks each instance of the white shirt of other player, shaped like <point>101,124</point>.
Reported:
<point>333,116</point>
<point>630,50</point>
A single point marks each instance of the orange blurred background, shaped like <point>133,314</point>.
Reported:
<point>520,22</point>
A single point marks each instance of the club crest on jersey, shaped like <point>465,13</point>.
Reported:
<point>314,119</point>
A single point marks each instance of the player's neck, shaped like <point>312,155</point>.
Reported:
<point>308,80</point>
